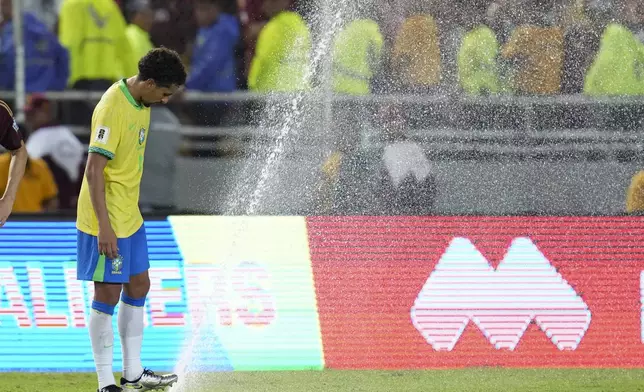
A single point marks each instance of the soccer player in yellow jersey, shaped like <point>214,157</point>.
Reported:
<point>112,247</point>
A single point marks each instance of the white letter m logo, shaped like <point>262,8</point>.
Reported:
<point>502,303</point>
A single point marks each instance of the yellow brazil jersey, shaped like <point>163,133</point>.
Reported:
<point>119,132</point>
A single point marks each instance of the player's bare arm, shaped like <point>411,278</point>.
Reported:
<point>11,140</point>
<point>16,172</point>
<point>94,172</point>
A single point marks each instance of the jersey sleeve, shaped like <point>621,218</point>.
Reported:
<point>106,134</point>
<point>10,135</point>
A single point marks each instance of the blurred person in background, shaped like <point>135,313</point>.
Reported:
<point>406,182</point>
<point>499,17</point>
<point>394,179</point>
<point>536,48</point>
<point>252,21</point>
<point>213,66</point>
<point>46,60</point>
<point>57,146</point>
<point>161,154</point>
<point>581,43</point>
<point>141,18</point>
<point>11,139</point>
<point>282,56</point>
<point>44,10</point>
<point>93,31</point>
<point>621,50</point>
<point>618,66</point>
<point>174,26</point>
<point>27,183</point>
<point>37,192</point>
<point>416,54</point>
<point>451,19</point>
<point>357,57</point>
<point>357,53</point>
<point>478,68</point>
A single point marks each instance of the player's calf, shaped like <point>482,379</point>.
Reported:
<point>102,334</point>
<point>130,325</point>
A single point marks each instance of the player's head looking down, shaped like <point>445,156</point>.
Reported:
<point>161,74</point>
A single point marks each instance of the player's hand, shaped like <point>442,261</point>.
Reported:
<point>5,210</point>
<point>107,243</point>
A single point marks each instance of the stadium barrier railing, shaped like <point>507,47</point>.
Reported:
<point>573,124</point>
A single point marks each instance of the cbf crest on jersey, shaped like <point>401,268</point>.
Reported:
<point>141,135</point>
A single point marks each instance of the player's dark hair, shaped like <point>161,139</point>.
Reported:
<point>164,66</point>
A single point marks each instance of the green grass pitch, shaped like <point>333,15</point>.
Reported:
<point>465,380</point>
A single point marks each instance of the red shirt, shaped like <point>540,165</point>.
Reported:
<point>10,136</point>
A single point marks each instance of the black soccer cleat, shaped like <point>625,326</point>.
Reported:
<point>110,388</point>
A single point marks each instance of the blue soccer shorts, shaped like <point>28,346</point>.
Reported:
<point>133,258</point>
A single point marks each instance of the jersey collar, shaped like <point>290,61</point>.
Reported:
<point>128,95</point>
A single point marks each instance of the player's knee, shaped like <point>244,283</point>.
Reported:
<point>139,286</point>
<point>138,291</point>
<point>107,293</point>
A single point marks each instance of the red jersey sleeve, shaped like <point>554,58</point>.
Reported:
<point>10,135</point>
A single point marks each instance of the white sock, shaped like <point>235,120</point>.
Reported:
<point>101,334</point>
<point>130,322</point>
